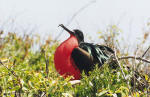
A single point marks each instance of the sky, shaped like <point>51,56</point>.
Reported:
<point>43,17</point>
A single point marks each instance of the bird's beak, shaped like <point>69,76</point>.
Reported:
<point>70,32</point>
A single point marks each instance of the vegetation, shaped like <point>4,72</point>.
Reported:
<point>28,73</point>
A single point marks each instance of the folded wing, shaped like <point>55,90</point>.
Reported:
<point>87,55</point>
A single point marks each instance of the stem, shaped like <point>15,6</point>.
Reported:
<point>145,51</point>
<point>133,57</point>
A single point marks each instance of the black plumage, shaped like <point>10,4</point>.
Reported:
<point>89,54</point>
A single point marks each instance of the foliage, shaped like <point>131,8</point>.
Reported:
<point>24,72</point>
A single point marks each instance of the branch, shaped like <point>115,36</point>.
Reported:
<point>8,69</point>
<point>47,63</point>
<point>133,57</point>
<point>145,51</point>
<point>124,76</point>
<point>12,73</point>
<point>119,65</point>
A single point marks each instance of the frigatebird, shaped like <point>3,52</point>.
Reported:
<point>73,56</point>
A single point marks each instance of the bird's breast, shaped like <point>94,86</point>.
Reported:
<point>62,58</point>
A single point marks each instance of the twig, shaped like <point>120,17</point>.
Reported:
<point>145,51</point>
<point>47,62</point>
<point>119,65</point>
<point>134,70</point>
<point>74,15</point>
<point>18,79</point>
<point>137,58</point>
<point>44,95</point>
<point>122,71</point>
<point>142,57</point>
<point>133,57</point>
<point>8,69</point>
<point>146,82</point>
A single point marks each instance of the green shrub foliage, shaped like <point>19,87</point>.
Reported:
<point>28,73</point>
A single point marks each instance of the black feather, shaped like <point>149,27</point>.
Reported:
<point>99,53</point>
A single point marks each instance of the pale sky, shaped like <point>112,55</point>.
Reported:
<point>44,16</point>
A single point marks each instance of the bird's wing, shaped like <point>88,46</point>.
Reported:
<point>82,59</point>
<point>87,55</point>
<point>100,53</point>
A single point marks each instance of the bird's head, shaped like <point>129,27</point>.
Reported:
<point>76,32</point>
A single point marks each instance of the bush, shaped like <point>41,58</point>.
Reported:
<point>25,72</point>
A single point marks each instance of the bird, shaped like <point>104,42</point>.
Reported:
<point>73,56</point>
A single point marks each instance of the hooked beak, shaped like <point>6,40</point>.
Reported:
<point>70,32</point>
